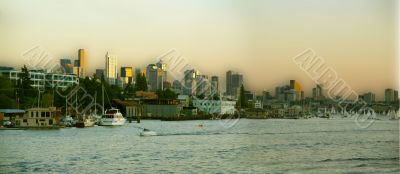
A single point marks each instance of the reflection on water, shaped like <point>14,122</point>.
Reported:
<point>251,146</point>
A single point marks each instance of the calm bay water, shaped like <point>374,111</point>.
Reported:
<point>251,146</point>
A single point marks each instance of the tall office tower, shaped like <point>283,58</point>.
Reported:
<point>228,83</point>
<point>81,59</point>
<point>295,86</point>
<point>233,83</point>
<point>100,73</point>
<point>177,87</point>
<point>236,83</point>
<point>368,97</point>
<point>391,95</point>
<point>162,74</point>
<point>126,76</point>
<point>317,93</point>
<point>202,85</point>
<point>155,77</point>
<point>111,68</point>
<point>214,85</point>
<point>66,66</point>
<point>189,84</point>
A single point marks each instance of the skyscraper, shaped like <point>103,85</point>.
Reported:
<point>100,73</point>
<point>317,93</point>
<point>189,85</point>
<point>214,85</point>
<point>126,75</point>
<point>233,83</point>
<point>368,97</point>
<point>391,95</point>
<point>156,75</point>
<point>66,65</point>
<point>228,82</point>
<point>202,85</point>
<point>111,68</point>
<point>81,59</point>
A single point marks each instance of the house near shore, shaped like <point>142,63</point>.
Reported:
<point>38,118</point>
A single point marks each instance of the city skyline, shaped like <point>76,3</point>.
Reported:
<point>260,44</point>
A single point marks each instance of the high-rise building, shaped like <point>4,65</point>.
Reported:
<point>228,83</point>
<point>100,73</point>
<point>233,83</point>
<point>317,93</point>
<point>177,86</point>
<point>126,75</point>
<point>368,97</point>
<point>156,75</point>
<point>214,85</point>
<point>391,95</point>
<point>111,68</point>
<point>203,86</point>
<point>295,86</point>
<point>66,65</point>
<point>189,85</point>
<point>81,59</point>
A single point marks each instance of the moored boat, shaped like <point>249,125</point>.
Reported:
<point>112,117</point>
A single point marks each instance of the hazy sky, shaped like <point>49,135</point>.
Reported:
<point>258,38</point>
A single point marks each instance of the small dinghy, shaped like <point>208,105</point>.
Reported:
<point>147,132</point>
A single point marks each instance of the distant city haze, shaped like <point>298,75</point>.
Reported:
<point>257,38</point>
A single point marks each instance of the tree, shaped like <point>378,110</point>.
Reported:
<point>129,90</point>
<point>166,94</point>
<point>25,82</point>
<point>141,82</point>
<point>7,93</point>
<point>47,100</point>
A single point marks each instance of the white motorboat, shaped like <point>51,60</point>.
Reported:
<point>112,117</point>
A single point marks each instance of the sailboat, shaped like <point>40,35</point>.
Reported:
<point>84,121</point>
<point>111,117</point>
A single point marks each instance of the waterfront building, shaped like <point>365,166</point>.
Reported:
<point>258,104</point>
<point>42,79</point>
<point>184,100</point>
<point>215,106</point>
<point>38,118</point>
<point>111,68</point>
<point>10,114</point>
<point>161,109</point>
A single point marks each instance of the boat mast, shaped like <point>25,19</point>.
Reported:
<point>102,91</point>
<point>66,110</point>
<point>95,102</point>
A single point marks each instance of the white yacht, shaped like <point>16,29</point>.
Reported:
<point>112,117</point>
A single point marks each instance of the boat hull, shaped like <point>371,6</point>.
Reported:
<point>112,121</point>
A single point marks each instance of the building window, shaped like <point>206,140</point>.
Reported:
<point>47,114</point>
<point>37,114</point>
<point>25,120</point>
<point>42,114</point>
